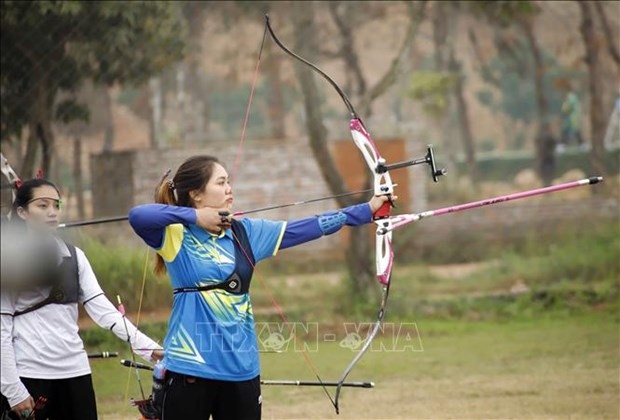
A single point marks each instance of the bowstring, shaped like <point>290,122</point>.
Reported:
<point>142,287</point>
<point>247,110</point>
<point>282,315</point>
<point>272,298</point>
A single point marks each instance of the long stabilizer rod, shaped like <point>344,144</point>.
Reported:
<point>138,365</point>
<point>135,365</point>
<point>403,219</point>
<point>315,383</point>
<point>103,355</point>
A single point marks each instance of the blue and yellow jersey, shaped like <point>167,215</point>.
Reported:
<point>211,334</point>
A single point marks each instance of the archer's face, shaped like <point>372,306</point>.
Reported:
<point>218,191</point>
<point>43,209</point>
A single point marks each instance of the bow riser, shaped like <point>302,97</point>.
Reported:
<point>385,253</point>
<point>398,221</point>
<point>382,182</point>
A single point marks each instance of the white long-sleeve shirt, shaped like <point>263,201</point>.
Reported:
<point>45,344</point>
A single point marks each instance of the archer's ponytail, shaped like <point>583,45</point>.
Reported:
<point>165,194</point>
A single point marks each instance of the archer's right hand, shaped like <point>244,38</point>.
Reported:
<point>213,220</point>
<point>24,408</point>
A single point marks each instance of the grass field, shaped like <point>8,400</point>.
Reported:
<point>564,367</point>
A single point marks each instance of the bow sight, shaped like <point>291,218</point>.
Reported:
<point>429,159</point>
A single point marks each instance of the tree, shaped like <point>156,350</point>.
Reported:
<point>444,31</point>
<point>544,142</point>
<point>610,35</point>
<point>49,47</point>
<point>504,16</point>
<point>360,267</point>
<point>595,85</point>
<point>276,108</point>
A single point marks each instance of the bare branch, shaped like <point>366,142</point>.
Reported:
<point>486,72</point>
<point>328,53</point>
<point>346,50</point>
<point>609,36</point>
<point>305,41</point>
<point>416,15</point>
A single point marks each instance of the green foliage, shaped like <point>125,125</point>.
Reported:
<point>471,246</point>
<point>506,166</point>
<point>69,110</point>
<point>512,69</point>
<point>502,12</point>
<point>99,339</point>
<point>52,46</point>
<point>121,270</point>
<point>570,272</point>
<point>517,97</point>
<point>566,271</point>
<point>432,89</point>
<point>486,145</point>
<point>227,99</point>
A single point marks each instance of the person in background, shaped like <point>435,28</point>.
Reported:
<point>571,121</point>
<point>211,357</point>
<point>44,364</point>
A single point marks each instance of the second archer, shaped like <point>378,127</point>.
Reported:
<point>45,368</point>
<point>211,351</point>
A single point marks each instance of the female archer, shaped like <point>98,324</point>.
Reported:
<point>211,351</point>
<point>43,357</point>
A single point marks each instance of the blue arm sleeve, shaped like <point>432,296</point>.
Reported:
<point>149,221</point>
<point>307,229</point>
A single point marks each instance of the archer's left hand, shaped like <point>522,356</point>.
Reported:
<point>377,201</point>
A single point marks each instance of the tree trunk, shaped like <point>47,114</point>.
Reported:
<point>595,78</point>
<point>198,90</point>
<point>77,176</point>
<point>197,87</point>
<point>610,36</point>
<point>276,110</point>
<point>360,265</point>
<point>156,112</point>
<point>360,269</point>
<point>32,148</point>
<point>441,58</point>
<point>108,139</point>
<point>44,132</point>
<point>544,141</point>
<point>339,12</point>
<point>463,115</point>
<point>181,103</point>
<point>40,126</point>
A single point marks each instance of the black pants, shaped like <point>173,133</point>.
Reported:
<point>67,399</point>
<point>187,397</point>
